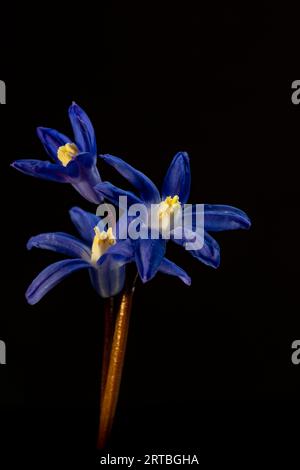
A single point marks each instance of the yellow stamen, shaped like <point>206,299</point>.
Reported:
<point>169,206</point>
<point>66,153</point>
<point>102,241</point>
<point>167,211</point>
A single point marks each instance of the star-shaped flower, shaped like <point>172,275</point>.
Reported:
<point>74,160</point>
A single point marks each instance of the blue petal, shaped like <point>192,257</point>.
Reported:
<point>42,169</point>
<point>148,192</point>
<point>148,256</point>
<point>51,140</point>
<point>83,130</point>
<point>83,175</point>
<point>61,243</point>
<point>107,281</point>
<point>118,255</point>
<point>51,276</point>
<point>84,223</point>
<point>87,160</point>
<point>178,178</point>
<point>168,267</point>
<point>108,276</point>
<point>220,217</point>
<point>209,253</point>
<point>112,193</point>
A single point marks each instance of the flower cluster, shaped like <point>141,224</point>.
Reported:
<point>101,250</point>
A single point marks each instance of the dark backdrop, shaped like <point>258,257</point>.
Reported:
<point>208,367</point>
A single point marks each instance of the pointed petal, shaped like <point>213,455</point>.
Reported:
<point>221,217</point>
<point>209,253</point>
<point>112,194</point>
<point>119,254</point>
<point>168,267</point>
<point>51,276</point>
<point>83,130</point>
<point>42,169</point>
<point>52,140</point>
<point>83,175</point>
<point>178,178</point>
<point>148,192</point>
<point>61,243</point>
<point>85,222</point>
<point>148,256</point>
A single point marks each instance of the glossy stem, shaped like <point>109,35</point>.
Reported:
<point>107,340</point>
<point>114,375</point>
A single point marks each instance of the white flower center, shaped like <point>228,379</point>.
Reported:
<point>102,241</point>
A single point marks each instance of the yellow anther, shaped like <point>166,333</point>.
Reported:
<point>67,153</point>
<point>167,211</point>
<point>172,201</point>
<point>169,206</point>
<point>102,241</point>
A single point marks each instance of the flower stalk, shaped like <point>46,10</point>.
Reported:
<point>115,368</point>
<point>107,340</point>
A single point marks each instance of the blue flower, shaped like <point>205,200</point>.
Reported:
<point>99,251</point>
<point>74,161</point>
<point>175,192</point>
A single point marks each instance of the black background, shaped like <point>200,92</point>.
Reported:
<point>208,368</point>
